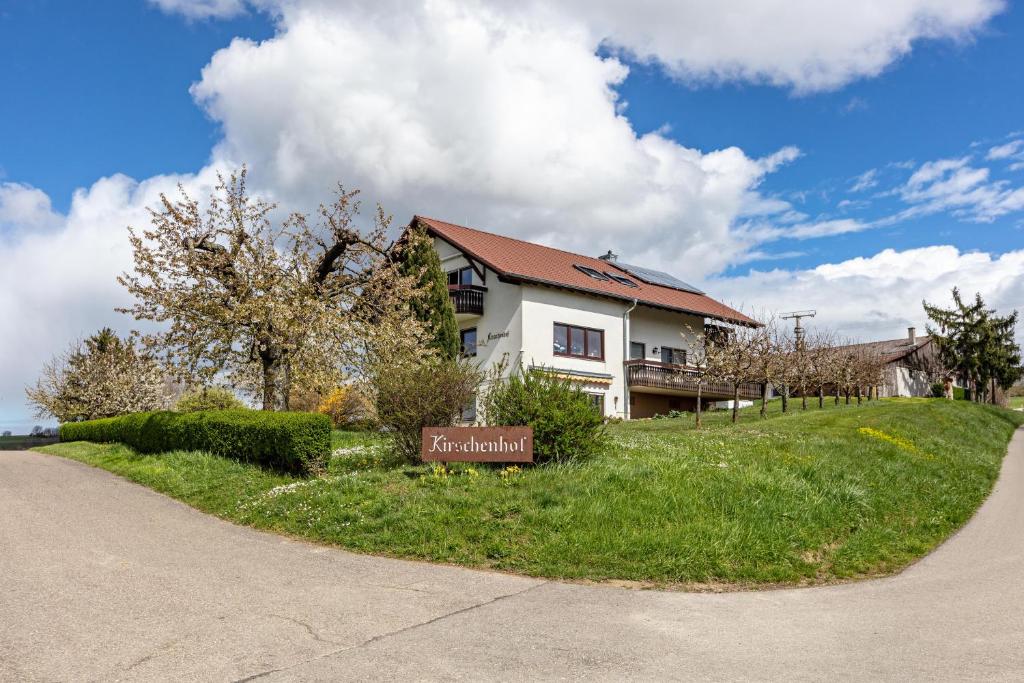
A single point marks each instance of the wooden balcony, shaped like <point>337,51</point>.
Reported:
<point>468,300</point>
<point>668,378</point>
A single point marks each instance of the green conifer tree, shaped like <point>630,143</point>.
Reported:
<point>434,306</point>
<point>976,343</point>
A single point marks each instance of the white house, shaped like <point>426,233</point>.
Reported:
<point>613,328</point>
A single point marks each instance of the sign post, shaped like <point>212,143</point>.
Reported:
<point>477,444</point>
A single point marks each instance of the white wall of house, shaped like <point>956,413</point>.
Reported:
<point>903,381</point>
<point>544,306</point>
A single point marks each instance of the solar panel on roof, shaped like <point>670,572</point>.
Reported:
<point>656,277</point>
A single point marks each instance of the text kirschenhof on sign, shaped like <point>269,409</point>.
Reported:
<point>477,444</point>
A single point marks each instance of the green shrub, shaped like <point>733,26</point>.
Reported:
<point>426,393</point>
<point>208,398</point>
<point>290,442</point>
<point>565,424</point>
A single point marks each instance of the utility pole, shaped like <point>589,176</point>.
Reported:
<point>798,329</point>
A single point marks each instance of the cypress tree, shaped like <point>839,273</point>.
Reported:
<point>434,307</point>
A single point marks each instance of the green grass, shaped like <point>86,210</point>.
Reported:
<point>1017,402</point>
<point>802,498</point>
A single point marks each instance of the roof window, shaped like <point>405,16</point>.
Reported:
<point>621,280</point>
<point>596,274</point>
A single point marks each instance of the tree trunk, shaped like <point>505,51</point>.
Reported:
<point>735,402</point>
<point>697,412</point>
<point>993,391</point>
<point>785,399</point>
<point>846,392</point>
<point>859,397</point>
<point>270,358</point>
<point>803,399</point>
<point>764,400</point>
<point>821,397</point>
<point>837,395</point>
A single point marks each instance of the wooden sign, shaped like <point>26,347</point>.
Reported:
<point>477,444</point>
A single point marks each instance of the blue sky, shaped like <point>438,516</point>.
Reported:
<point>926,99</point>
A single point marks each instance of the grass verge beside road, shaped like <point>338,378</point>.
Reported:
<point>804,498</point>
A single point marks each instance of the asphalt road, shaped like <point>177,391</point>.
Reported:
<point>101,579</point>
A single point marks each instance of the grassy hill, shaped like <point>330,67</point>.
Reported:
<point>801,498</point>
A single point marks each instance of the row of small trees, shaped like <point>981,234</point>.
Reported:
<point>774,358</point>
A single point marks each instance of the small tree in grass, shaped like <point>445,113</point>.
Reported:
<point>102,376</point>
<point>421,392</point>
<point>735,361</point>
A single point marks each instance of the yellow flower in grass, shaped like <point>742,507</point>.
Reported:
<point>897,441</point>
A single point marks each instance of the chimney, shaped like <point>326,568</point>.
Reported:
<point>610,257</point>
<point>912,334</point>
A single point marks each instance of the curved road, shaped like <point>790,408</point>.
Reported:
<point>101,579</point>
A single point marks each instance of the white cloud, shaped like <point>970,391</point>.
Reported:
<point>1010,149</point>
<point>804,44</point>
<point>60,285</point>
<point>502,121</point>
<point>25,209</point>
<point>879,296</point>
<point>202,9</point>
<point>807,45</point>
<point>955,186</point>
<point>865,181</point>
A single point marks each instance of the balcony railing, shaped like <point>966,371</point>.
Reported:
<point>648,373</point>
<point>467,299</point>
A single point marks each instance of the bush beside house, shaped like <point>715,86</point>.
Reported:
<point>565,424</point>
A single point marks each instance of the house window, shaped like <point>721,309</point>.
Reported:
<point>673,356</point>
<point>578,342</point>
<point>462,276</point>
<point>637,351</point>
<point>597,401</point>
<point>468,342</point>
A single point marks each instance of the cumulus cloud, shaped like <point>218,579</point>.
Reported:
<point>503,121</point>
<point>60,285</point>
<point>24,208</point>
<point>806,45</point>
<point>879,296</point>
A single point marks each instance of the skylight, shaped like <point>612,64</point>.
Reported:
<point>596,274</point>
<point>621,280</point>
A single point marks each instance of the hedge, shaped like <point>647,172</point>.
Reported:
<point>290,442</point>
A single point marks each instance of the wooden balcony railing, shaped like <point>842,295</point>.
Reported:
<point>468,299</point>
<point>649,373</point>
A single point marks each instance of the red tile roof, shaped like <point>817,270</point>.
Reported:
<point>521,261</point>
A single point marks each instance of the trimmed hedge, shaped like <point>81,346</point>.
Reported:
<point>290,442</point>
